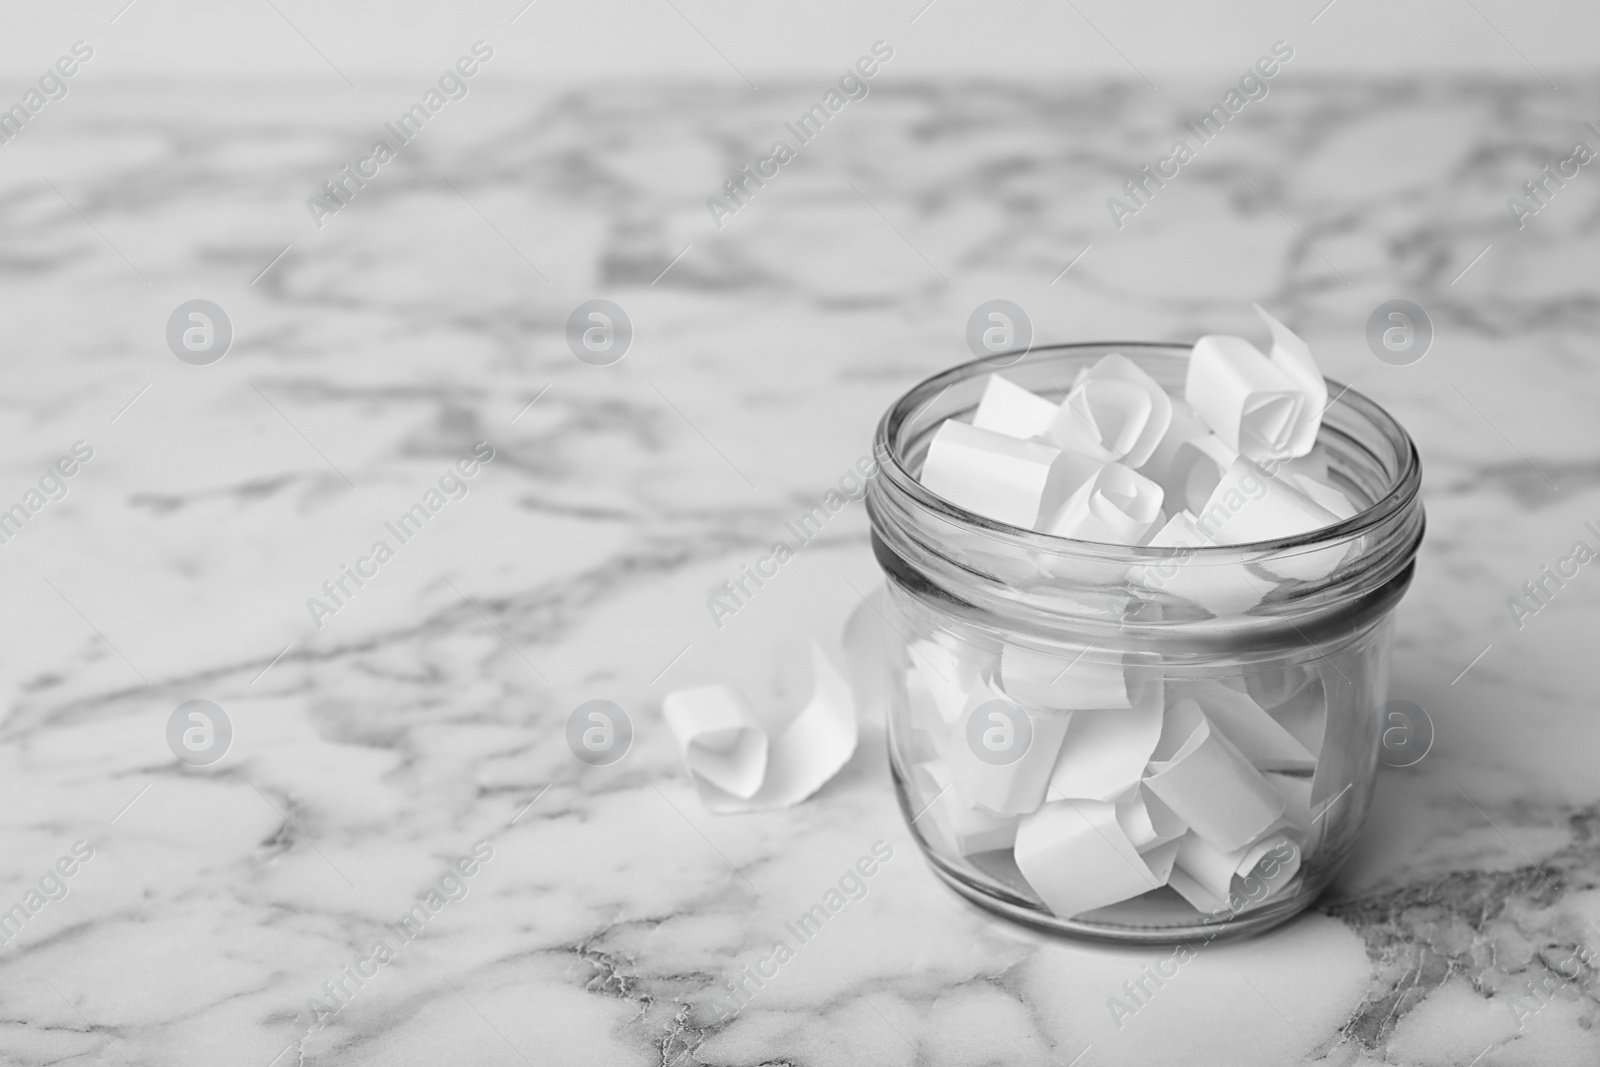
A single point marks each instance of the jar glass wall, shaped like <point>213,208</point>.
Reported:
<point>1138,743</point>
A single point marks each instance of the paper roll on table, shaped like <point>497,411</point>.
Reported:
<point>737,766</point>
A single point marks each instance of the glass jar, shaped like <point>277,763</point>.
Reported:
<point>1137,743</point>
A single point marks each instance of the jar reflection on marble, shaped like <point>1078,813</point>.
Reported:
<point>1136,743</point>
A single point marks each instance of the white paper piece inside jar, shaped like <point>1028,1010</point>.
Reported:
<point>1249,505</point>
<point>1116,505</point>
<point>1261,738</point>
<point>1207,782</point>
<point>1297,819</point>
<point>1008,408</point>
<point>1188,462</point>
<point>713,725</point>
<point>1077,858</point>
<point>988,473</point>
<point>964,826</point>
<point>1323,495</point>
<point>1146,820</point>
<point>1212,880</point>
<point>1000,755</point>
<point>1292,356</point>
<point>1221,589</point>
<point>1105,751</point>
<point>1115,411</point>
<point>1073,679</point>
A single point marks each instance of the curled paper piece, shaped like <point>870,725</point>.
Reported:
<point>1292,356</point>
<point>1105,752</point>
<point>1146,820</point>
<point>1008,408</point>
<point>1324,496</point>
<point>1259,405</point>
<point>1209,879</point>
<point>1207,782</point>
<point>1261,738</point>
<point>1012,788</point>
<point>1220,589</point>
<point>727,750</point>
<point>1077,858</point>
<point>967,828</point>
<point>1115,505</point>
<point>723,743</point>
<point>1188,461</point>
<point>1074,679</point>
<point>989,473</point>
<point>1248,505</point>
<point>1115,412</point>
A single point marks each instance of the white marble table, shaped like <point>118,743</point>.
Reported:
<point>428,712</point>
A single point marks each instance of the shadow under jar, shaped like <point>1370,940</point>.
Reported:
<point>1031,674</point>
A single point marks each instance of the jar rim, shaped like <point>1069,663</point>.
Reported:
<point>1400,493</point>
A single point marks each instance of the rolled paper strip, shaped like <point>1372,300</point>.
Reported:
<point>1248,401</point>
<point>1199,897</point>
<point>1247,505</point>
<point>1117,505</point>
<point>988,473</point>
<point>1070,472</point>
<point>1077,858</point>
<point>1324,495</point>
<point>1261,738</point>
<point>1188,462</point>
<point>799,760</point>
<point>719,736</point>
<point>1209,784</point>
<point>1005,789</point>
<point>967,828</point>
<point>1008,408</point>
<point>1293,357</point>
<point>1254,873</point>
<point>1220,589</point>
<point>1115,411</point>
<point>1074,679</point>
<point>1146,820</point>
<point>1105,752</point>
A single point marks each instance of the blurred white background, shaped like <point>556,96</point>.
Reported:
<point>606,40</point>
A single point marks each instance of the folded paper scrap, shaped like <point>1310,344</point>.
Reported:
<point>737,766</point>
<point>1120,461</point>
<point>1133,780</point>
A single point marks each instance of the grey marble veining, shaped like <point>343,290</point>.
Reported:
<point>428,713</point>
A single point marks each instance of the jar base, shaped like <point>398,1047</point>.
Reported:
<point>1256,921</point>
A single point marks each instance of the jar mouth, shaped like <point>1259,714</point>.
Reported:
<point>1351,421</point>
